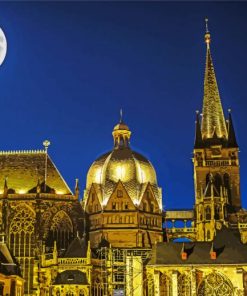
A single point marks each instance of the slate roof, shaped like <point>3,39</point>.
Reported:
<point>226,244</point>
<point>23,169</point>
<point>76,249</point>
<point>71,277</point>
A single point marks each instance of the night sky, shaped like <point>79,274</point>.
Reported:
<point>70,67</point>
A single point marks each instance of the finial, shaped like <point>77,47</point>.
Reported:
<point>121,115</point>
<point>207,34</point>
<point>229,110</point>
<point>46,144</point>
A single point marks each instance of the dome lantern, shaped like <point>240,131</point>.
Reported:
<point>121,134</point>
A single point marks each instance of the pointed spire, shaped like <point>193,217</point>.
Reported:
<point>38,187</point>
<point>198,134</point>
<point>77,188</point>
<point>232,142</point>
<point>213,116</point>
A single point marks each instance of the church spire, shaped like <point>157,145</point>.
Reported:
<point>213,120</point>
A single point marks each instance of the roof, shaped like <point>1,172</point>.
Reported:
<point>23,169</point>
<point>227,246</point>
<point>71,277</point>
<point>76,249</point>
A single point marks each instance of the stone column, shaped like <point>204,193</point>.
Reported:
<point>174,283</point>
<point>156,284</point>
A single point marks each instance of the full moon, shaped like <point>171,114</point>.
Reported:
<point>3,46</point>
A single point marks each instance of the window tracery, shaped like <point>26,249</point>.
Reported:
<point>21,240</point>
<point>61,230</point>
<point>215,284</point>
<point>184,285</point>
<point>165,285</point>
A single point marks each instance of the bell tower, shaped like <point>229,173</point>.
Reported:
<point>215,158</point>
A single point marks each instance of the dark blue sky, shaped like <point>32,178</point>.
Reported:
<point>70,67</point>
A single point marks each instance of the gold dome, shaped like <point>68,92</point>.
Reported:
<point>131,168</point>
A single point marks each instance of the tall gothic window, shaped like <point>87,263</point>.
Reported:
<point>217,182</point>
<point>165,285</point>
<point>215,284</point>
<point>21,241</point>
<point>208,213</point>
<point>184,285</point>
<point>228,187</point>
<point>217,212</point>
<point>61,230</point>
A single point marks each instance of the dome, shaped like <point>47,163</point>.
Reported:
<point>131,168</point>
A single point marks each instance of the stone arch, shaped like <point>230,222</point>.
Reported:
<point>60,230</point>
<point>165,285</point>
<point>215,284</point>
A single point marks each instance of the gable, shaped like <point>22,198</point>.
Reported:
<point>120,199</point>
<point>93,204</point>
<point>148,201</point>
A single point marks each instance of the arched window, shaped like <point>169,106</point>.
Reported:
<point>208,235</point>
<point>217,182</point>
<point>144,206</point>
<point>208,213</point>
<point>228,187</point>
<point>217,212</point>
<point>61,230</point>
<point>151,207</point>
<point>215,284</point>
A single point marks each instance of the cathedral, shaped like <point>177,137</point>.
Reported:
<point>118,240</point>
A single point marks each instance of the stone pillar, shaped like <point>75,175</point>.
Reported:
<point>156,284</point>
<point>193,282</point>
<point>174,283</point>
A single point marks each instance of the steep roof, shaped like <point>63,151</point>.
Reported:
<point>227,246</point>
<point>23,169</point>
<point>213,119</point>
<point>77,249</point>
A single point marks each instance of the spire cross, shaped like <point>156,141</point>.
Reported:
<point>121,115</point>
<point>206,23</point>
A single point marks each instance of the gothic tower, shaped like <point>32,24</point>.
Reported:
<point>216,160</point>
